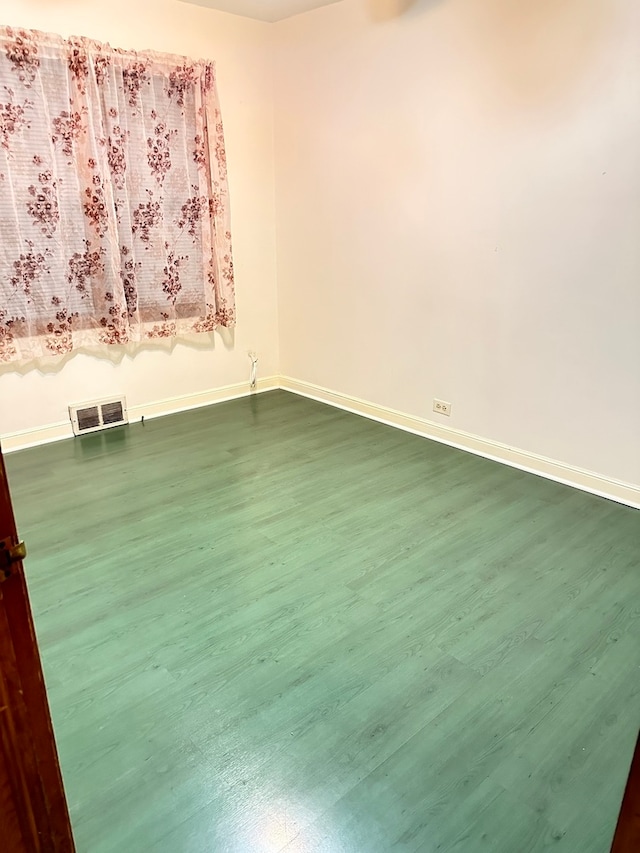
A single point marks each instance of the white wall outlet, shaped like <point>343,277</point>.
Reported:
<point>441,407</point>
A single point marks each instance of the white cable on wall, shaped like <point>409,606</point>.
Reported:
<point>253,376</point>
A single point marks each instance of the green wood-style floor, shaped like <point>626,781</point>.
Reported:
<point>271,626</point>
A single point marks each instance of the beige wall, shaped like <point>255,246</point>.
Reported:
<point>241,50</point>
<point>458,216</point>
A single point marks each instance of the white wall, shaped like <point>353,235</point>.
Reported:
<point>458,215</point>
<point>241,49</point>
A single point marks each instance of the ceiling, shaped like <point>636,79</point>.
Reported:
<point>263,10</point>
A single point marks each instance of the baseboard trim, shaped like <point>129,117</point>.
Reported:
<point>173,405</point>
<point>33,437</point>
<point>587,481</point>
<point>60,431</point>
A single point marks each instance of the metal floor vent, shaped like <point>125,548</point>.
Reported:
<point>99,414</point>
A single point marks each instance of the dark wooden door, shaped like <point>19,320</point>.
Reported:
<point>627,836</point>
<point>33,809</point>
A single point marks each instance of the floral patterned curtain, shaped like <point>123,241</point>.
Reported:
<point>114,214</point>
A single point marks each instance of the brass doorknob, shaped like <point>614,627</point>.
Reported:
<point>17,552</point>
<point>10,554</point>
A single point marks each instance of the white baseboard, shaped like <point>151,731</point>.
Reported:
<point>57,432</point>
<point>203,398</point>
<point>33,437</point>
<point>616,490</point>
<point>588,481</point>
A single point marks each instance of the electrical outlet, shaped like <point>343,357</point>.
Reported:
<point>441,407</point>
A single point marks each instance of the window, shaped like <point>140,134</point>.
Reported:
<point>114,214</point>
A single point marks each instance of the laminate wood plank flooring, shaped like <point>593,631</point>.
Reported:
<point>270,626</point>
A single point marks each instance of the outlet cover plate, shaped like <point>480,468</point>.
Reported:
<point>441,407</point>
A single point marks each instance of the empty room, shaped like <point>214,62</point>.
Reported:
<point>320,426</point>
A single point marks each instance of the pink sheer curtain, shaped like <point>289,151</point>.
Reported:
<point>114,212</point>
